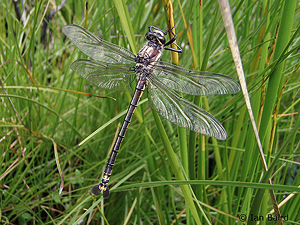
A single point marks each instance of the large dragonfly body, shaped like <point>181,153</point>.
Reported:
<point>113,67</point>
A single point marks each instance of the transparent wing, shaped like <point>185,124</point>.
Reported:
<point>97,48</point>
<point>182,112</point>
<point>116,76</point>
<point>194,82</point>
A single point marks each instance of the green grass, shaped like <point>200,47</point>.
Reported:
<point>163,174</point>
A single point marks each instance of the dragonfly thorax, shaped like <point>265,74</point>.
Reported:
<point>148,54</point>
<point>147,59</point>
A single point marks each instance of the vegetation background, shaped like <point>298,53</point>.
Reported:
<point>45,115</point>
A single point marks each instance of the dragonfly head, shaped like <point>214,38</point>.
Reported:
<point>156,37</point>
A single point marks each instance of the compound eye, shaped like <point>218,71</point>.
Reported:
<point>147,36</point>
<point>150,36</point>
<point>161,39</point>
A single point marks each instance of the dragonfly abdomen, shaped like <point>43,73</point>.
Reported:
<point>139,89</point>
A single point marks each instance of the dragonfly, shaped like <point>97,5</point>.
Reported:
<point>114,67</point>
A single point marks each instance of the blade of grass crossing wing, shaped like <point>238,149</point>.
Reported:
<point>176,168</point>
<point>181,131</point>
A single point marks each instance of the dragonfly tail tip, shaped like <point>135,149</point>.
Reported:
<point>96,190</point>
<point>101,187</point>
<point>106,192</point>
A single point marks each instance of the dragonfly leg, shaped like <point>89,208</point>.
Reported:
<point>172,40</point>
<point>179,50</point>
<point>153,27</point>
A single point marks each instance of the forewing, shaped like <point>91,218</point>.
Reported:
<point>182,112</point>
<point>95,47</point>
<point>115,76</point>
<point>194,82</point>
